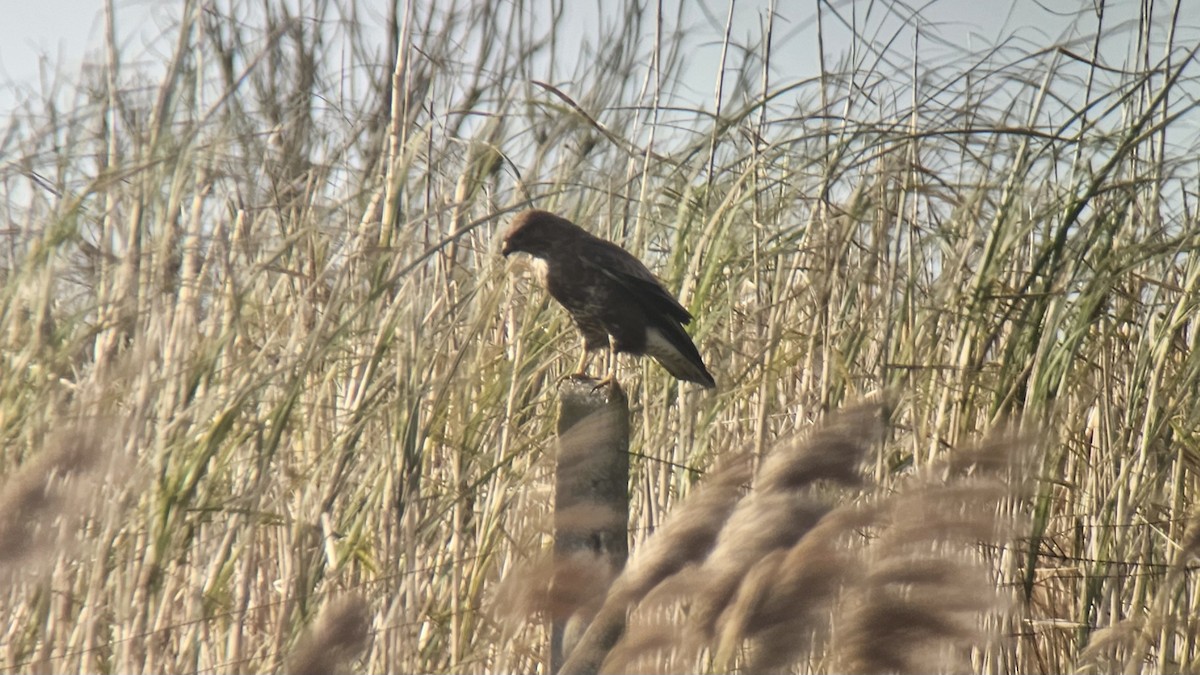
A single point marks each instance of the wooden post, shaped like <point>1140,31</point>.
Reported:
<point>591,501</point>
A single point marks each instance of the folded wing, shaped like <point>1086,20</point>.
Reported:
<point>617,264</point>
<point>666,341</point>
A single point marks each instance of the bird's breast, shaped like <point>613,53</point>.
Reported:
<point>541,270</point>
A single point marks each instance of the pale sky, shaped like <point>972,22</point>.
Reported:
<point>40,39</point>
<point>43,37</point>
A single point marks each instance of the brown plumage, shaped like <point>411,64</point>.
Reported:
<point>614,300</point>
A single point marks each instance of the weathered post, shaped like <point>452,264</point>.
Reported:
<point>591,501</point>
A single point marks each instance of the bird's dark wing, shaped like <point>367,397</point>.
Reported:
<point>619,265</point>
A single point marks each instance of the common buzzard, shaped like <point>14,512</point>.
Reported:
<point>614,300</point>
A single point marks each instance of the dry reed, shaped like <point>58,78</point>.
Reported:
<point>262,253</point>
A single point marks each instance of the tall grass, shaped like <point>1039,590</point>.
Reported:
<point>252,281</point>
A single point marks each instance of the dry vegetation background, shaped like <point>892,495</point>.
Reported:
<point>270,400</point>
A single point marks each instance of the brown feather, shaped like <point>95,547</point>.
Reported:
<point>609,293</point>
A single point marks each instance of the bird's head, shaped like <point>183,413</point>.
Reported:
<point>537,233</point>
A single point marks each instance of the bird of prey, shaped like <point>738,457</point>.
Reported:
<point>613,299</point>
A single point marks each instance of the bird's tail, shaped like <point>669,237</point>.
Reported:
<point>671,346</point>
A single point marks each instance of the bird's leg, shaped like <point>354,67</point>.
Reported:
<point>584,359</point>
<point>611,377</point>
